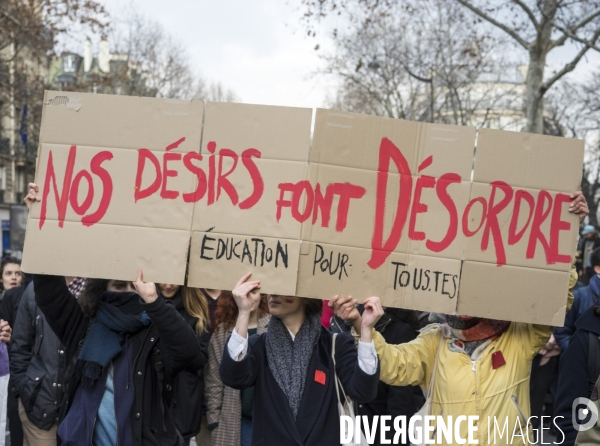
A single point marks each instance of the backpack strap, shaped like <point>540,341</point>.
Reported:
<point>593,363</point>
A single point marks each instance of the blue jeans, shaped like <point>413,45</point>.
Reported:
<point>246,434</point>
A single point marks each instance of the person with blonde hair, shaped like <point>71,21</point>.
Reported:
<point>188,397</point>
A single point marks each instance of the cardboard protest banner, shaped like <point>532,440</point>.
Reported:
<point>104,172</point>
<point>254,148</point>
<point>384,248</point>
<point>525,181</point>
<point>426,216</point>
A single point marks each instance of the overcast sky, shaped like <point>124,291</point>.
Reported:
<point>259,49</point>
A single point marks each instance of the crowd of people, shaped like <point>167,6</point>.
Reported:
<point>112,362</point>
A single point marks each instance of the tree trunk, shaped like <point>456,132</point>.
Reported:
<point>534,96</point>
<point>538,50</point>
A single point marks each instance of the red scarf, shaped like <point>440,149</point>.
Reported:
<point>482,330</point>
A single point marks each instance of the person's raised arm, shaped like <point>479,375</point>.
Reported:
<point>239,365</point>
<point>63,312</point>
<point>344,307</point>
<point>400,365</point>
<point>373,312</point>
<point>241,294</point>
<point>32,195</point>
<point>238,342</point>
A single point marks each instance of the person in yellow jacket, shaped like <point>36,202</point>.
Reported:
<point>483,366</point>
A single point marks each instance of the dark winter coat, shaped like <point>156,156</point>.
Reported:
<point>189,385</point>
<point>390,400</point>
<point>318,420</point>
<point>166,347</point>
<point>37,363</point>
<point>10,301</point>
<point>583,300</point>
<point>573,376</point>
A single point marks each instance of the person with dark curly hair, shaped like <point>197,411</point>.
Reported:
<point>128,345</point>
<point>11,275</point>
<point>229,411</point>
<point>293,368</point>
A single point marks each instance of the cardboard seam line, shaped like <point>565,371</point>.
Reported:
<point>124,149</point>
<point>249,236</point>
<point>515,188</point>
<point>391,252</point>
<point>519,266</point>
<point>163,151</point>
<point>109,224</point>
<point>196,180</point>
<point>435,257</point>
<point>309,226</point>
<point>81,146</point>
<point>242,235</point>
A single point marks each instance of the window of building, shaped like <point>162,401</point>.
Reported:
<point>69,63</point>
<point>20,180</point>
<point>2,177</point>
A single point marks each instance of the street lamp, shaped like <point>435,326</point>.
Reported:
<point>375,65</point>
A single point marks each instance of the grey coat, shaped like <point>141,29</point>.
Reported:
<point>37,363</point>
<point>223,403</point>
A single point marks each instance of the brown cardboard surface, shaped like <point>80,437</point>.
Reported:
<point>423,283</point>
<point>281,133</point>
<point>360,222</point>
<point>151,233</point>
<point>405,281</point>
<point>352,140</point>
<point>516,254</point>
<point>225,217</point>
<point>218,261</point>
<point>153,211</point>
<point>528,161</point>
<point>120,121</point>
<point>326,270</point>
<point>334,205</point>
<point>512,293</point>
<point>279,138</point>
<point>108,252</point>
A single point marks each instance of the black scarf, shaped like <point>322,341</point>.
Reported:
<point>118,313</point>
<point>288,360</point>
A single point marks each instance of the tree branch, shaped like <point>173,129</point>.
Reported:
<point>529,13</point>
<point>571,65</point>
<point>569,31</point>
<point>506,29</point>
<point>569,34</point>
<point>10,17</point>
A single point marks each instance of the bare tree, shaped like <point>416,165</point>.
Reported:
<point>29,31</point>
<point>537,26</point>
<point>577,107</point>
<point>424,64</point>
<point>150,62</point>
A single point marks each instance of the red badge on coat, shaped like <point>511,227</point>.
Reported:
<point>320,377</point>
<point>497,359</point>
